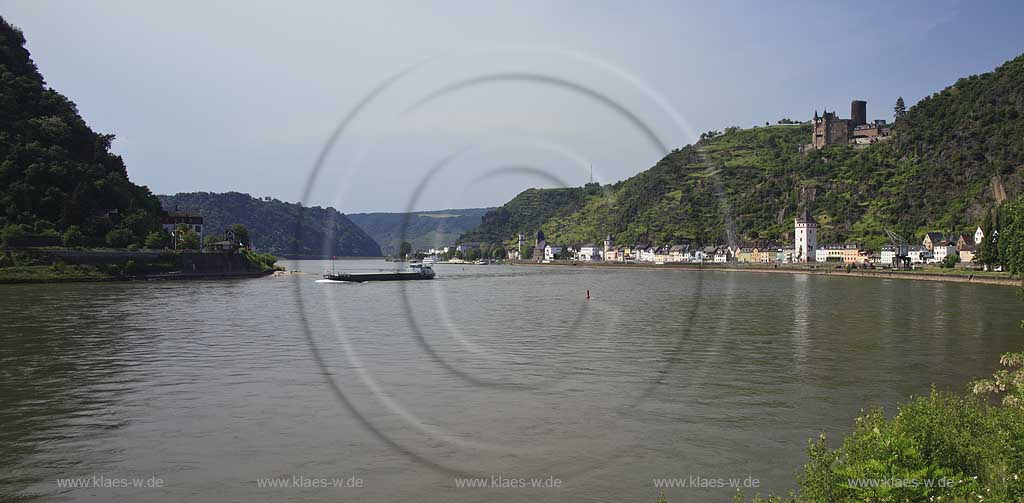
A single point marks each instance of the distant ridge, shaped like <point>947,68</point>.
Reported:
<point>425,229</point>
<point>273,224</point>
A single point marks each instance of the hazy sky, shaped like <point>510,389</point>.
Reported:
<point>494,98</point>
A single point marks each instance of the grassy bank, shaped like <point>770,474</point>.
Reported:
<point>61,265</point>
<point>52,274</point>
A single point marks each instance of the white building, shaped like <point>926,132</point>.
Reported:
<point>941,251</point>
<point>889,253</point>
<point>919,254</point>
<point>978,236</point>
<point>192,220</point>
<point>645,253</point>
<point>805,238</point>
<point>590,252</point>
<point>551,251</point>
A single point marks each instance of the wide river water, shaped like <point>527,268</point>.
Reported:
<point>216,390</point>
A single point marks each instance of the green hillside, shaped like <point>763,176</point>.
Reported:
<point>423,229</point>
<point>274,227</point>
<point>57,176</point>
<point>953,156</point>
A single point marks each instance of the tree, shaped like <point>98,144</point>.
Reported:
<point>1005,384</point>
<point>1011,236</point>
<point>241,235</point>
<point>120,237</point>
<point>72,236</point>
<point>209,241</point>
<point>950,261</point>
<point>988,248</point>
<point>157,239</point>
<point>187,239</point>
<point>900,109</point>
<point>405,249</point>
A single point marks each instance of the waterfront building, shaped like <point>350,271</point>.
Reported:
<point>589,252</point>
<point>550,252</point>
<point>644,253</point>
<point>964,242</point>
<point>539,246</point>
<point>943,250</point>
<point>678,253</point>
<point>805,238</point>
<point>609,249</point>
<point>193,220</point>
<point>888,255</point>
<point>967,255</point>
<point>932,239</point>
<point>919,254</point>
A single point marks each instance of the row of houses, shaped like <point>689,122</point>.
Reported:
<point>934,248</point>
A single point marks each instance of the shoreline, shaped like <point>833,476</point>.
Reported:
<point>57,279</point>
<point>881,274</point>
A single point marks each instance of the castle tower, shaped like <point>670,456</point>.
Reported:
<point>858,113</point>
<point>805,238</point>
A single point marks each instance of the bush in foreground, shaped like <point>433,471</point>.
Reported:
<point>940,447</point>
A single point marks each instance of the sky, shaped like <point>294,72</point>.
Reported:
<point>395,106</point>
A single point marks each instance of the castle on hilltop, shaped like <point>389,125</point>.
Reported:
<point>829,129</point>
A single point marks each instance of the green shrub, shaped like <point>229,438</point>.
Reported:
<point>72,236</point>
<point>950,261</point>
<point>940,447</point>
<point>120,237</point>
<point>259,261</point>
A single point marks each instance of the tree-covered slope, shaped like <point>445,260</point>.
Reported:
<point>526,213</point>
<point>953,156</point>
<point>55,172</point>
<point>422,229</point>
<point>274,225</point>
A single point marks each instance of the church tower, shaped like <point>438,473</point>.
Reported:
<point>538,249</point>
<point>805,238</point>
<point>609,243</point>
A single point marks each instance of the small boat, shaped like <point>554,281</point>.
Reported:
<point>416,271</point>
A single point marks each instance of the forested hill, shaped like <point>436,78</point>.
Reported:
<point>274,224</point>
<point>422,229</point>
<point>58,176</point>
<point>953,155</point>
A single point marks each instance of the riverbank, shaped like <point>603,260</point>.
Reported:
<point>987,278</point>
<point>86,274</point>
<point>63,265</point>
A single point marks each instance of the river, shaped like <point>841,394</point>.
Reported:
<point>497,375</point>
